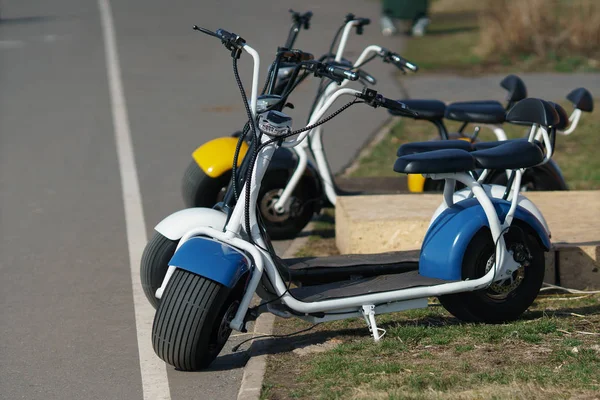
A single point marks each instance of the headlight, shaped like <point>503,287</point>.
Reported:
<point>274,123</point>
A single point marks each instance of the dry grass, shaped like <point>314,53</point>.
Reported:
<point>545,29</point>
<point>553,352</point>
<point>481,36</point>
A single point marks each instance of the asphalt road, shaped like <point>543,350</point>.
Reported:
<point>67,317</point>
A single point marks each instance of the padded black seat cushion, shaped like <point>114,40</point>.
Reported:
<point>496,143</point>
<point>422,147</point>
<point>513,154</point>
<point>427,109</point>
<point>439,161</point>
<point>485,112</point>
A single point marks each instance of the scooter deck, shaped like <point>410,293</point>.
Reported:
<point>351,288</point>
<point>321,270</point>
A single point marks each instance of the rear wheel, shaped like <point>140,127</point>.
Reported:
<point>201,190</point>
<point>501,301</point>
<point>534,179</point>
<point>154,265</point>
<point>191,325</point>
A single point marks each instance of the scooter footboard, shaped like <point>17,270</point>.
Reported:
<point>211,259</point>
<point>451,232</point>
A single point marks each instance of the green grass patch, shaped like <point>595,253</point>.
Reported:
<point>552,353</point>
<point>321,239</point>
<point>449,44</point>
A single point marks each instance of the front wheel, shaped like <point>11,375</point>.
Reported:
<point>154,265</point>
<point>501,301</point>
<point>191,325</point>
<point>201,190</point>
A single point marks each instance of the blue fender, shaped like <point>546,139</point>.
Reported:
<point>211,259</point>
<point>449,235</point>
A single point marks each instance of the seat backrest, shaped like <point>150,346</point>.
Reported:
<point>581,99</point>
<point>562,115</point>
<point>533,111</point>
<point>516,89</point>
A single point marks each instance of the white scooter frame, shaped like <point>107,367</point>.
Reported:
<point>366,304</point>
<point>315,141</point>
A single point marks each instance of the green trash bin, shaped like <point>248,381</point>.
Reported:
<point>405,9</point>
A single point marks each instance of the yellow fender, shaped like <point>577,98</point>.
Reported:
<point>215,157</point>
<point>416,183</point>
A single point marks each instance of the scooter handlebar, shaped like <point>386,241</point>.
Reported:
<point>374,99</point>
<point>402,62</point>
<point>364,75</point>
<point>397,107</point>
<point>341,73</point>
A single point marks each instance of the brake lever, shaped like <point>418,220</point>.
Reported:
<point>231,41</point>
<point>206,31</point>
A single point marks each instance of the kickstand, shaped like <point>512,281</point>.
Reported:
<point>369,314</point>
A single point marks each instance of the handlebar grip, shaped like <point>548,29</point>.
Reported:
<point>223,34</point>
<point>398,107</point>
<point>307,15</point>
<point>403,62</point>
<point>341,73</point>
<point>363,21</point>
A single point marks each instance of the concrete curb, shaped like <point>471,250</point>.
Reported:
<point>254,371</point>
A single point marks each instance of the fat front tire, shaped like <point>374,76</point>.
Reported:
<point>154,265</point>
<point>505,301</point>
<point>191,325</point>
<point>200,190</point>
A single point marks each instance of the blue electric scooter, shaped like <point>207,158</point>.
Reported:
<point>483,254</point>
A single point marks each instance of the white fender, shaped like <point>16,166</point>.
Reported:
<point>177,224</point>
<point>496,191</point>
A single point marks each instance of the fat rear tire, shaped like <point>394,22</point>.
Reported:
<point>154,265</point>
<point>199,189</point>
<point>487,305</point>
<point>534,179</point>
<point>186,331</point>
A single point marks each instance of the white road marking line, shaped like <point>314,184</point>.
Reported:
<point>155,384</point>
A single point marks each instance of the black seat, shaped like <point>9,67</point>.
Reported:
<point>496,143</point>
<point>439,161</point>
<point>426,109</point>
<point>533,111</point>
<point>513,154</point>
<point>422,147</point>
<point>581,99</point>
<point>485,112</point>
<point>515,87</point>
